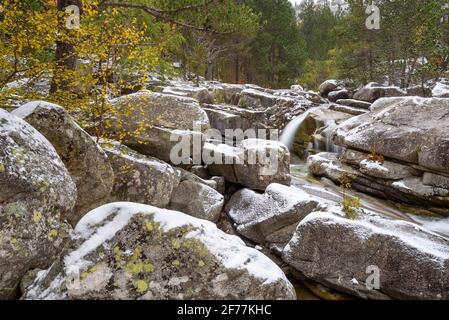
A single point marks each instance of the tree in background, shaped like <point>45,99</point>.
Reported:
<point>401,51</point>
<point>277,51</point>
<point>317,24</point>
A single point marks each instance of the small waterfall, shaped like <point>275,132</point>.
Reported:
<point>321,139</point>
<point>289,133</point>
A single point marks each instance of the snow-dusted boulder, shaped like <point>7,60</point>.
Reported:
<point>139,178</point>
<point>132,251</point>
<point>409,129</point>
<point>272,217</point>
<point>84,159</point>
<point>145,121</point>
<point>37,192</point>
<point>347,255</point>
<point>254,163</point>
<point>374,91</point>
<point>198,200</point>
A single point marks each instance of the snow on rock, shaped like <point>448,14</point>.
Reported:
<point>333,250</point>
<point>441,90</point>
<point>36,192</point>
<point>270,218</point>
<point>134,251</point>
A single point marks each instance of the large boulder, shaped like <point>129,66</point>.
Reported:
<point>347,255</point>
<point>225,92</point>
<point>339,94</point>
<point>270,218</point>
<point>254,163</point>
<point>261,100</point>
<point>147,121</point>
<point>37,194</point>
<point>198,200</point>
<point>227,117</point>
<point>374,91</point>
<point>84,159</point>
<point>409,129</point>
<point>328,86</point>
<point>139,178</point>
<point>132,251</point>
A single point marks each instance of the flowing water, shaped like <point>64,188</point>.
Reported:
<point>329,191</point>
<point>321,140</point>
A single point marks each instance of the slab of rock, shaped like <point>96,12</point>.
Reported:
<point>272,217</point>
<point>145,121</point>
<point>354,103</point>
<point>37,194</point>
<point>260,100</point>
<point>409,129</point>
<point>374,91</point>
<point>198,200</point>
<point>349,110</point>
<point>198,93</point>
<point>227,117</point>
<point>375,178</point>
<point>139,178</point>
<point>225,92</point>
<point>131,251</point>
<point>341,253</point>
<point>86,162</point>
<point>254,163</point>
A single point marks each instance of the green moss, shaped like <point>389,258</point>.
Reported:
<point>52,234</point>
<point>148,267</point>
<point>2,168</point>
<point>134,267</point>
<point>37,216</point>
<point>176,244</point>
<point>141,286</point>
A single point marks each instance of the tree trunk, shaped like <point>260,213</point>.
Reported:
<point>64,56</point>
<point>237,70</point>
<point>210,71</point>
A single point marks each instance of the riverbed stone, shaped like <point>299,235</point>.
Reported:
<point>37,196</point>
<point>130,251</point>
<point>341,253</point>
<point>86,162</point>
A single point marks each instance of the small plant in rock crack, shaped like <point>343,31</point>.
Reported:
<point>376,157</point>
<point>351,206</point>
